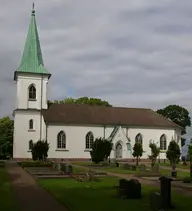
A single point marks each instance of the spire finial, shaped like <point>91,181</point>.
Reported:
<point>33,9</point>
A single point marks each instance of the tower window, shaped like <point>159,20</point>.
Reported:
<point>30,124</point>
<point>32,92</point>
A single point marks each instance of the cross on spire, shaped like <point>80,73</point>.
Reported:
<point>33,9</point>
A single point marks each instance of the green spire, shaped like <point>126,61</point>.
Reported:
<point>32,59</point>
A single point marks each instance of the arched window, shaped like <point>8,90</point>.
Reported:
<point>30,124</point>
<point>139,138</point>
<point>30,144</point>
<point>32,92</point>
<point>163,142</point>
<point>61,140</point>
<point>89,140</point>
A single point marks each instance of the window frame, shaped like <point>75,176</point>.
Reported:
<point>89,139</point>
<point>139,140</point>
<point>61,141</point>
<point>30,145</point>
<point>32,94</point>
<point>163,142</point>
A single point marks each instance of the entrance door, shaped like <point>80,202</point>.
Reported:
<point>118,151</point>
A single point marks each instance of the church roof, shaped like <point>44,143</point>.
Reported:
<point>32,59</point>
<point>100,115</point>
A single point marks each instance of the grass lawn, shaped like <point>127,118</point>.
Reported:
<point>7,202</point>
<point>180,174</point>
<point>180,165</point>
<point>79,169</point>
<point>102,196</point>
<point>121,170</point>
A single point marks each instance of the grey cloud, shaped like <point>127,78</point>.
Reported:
<point>132,53</point>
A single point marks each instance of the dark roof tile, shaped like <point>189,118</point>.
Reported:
<point>100,115</point>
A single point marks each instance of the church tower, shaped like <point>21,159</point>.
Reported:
<point>31,81</point>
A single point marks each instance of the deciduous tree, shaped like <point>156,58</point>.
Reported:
<point>137,151</point>
<point>173,153</point>
<point>6,137</point>
<point>178,115</point>
<point>154,153</point>
<point>190,156</point>
<point>82,100</point>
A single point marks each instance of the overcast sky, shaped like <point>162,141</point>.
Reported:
<point>134,53</point>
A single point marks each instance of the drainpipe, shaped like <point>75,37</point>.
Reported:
<point>104,131</point>
<point>41,107</point>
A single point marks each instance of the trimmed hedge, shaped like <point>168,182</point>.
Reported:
<point>35,164</point>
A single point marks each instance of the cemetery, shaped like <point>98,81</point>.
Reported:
<point>72,183</point>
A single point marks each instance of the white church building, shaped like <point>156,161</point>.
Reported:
<point>71,129</point>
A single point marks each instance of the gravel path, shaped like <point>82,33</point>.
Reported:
<point>28,194</point>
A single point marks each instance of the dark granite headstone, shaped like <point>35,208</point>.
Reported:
<point>165,191</point>
<point>174,173</point>
<point>129,189</point>
<point>142,168</point>
<point>135,187</point>
<point>58,166</point>
<point>70,169</point>
<point>64,167</point>
<point>155,201</point>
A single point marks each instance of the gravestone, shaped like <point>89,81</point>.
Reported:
<point>135,187</point>
<point>155,201</point>
<point>174,173</point>
<point>142,168</point>
<point>64,168</point>
<point>165,192</point>
<point>155,169</point>
<point>70,169</point>
<point>130,189</point>
<point>58,166</point>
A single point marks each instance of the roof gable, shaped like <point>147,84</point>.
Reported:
<point>117,130</point>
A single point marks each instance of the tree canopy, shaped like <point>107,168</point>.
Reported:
<point>6,137</point>
<point>173,153</point>
<point>137,151</point>
<point>155,150</point>
<point>178,115</point>
<point>81,100</point>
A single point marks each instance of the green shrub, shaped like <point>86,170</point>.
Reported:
<point>39,150</point>
<point>35,164</point>
<point>101,149</point>
<point>187,180</point>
